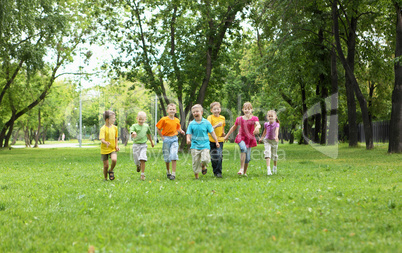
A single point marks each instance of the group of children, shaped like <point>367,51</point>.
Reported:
<point>206,137</point>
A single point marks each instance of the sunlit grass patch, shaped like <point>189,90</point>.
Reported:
<point>54,200</point>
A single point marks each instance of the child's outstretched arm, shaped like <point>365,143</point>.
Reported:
<point>188,137</point>
<point>181,131</point>
<point>276,134</point>
<point>232,129</point>
<point>257,128</point>
<point>105,142</point>
<point>160,134</point>
<point>117,144</point>
<point>215,139</point>
<point>262,135</point>
<point>150,139</point>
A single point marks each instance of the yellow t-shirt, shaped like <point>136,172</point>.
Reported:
<point>219,130</point>
<point>109,134</point>
<point>168,126</point>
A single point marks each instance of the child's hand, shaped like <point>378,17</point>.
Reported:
<point>182,132</point>
<point>218,125</point>
<point>276,139</point>
<point>107,144</point>
<point>117,148</point>
<point>133,135</point>
<point>260,140</point>
<point>188,141</point>
<point>218,145</point>
<point>223,134</point>
<point>152,144</point>
<point>256,131</point>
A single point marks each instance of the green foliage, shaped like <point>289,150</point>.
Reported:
<point>55,200</point>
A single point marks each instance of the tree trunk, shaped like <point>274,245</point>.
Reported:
<point>395,138</point>
<point>350,95</point>
<point>38,131</point>
<point>317,117</point>
<point>26,137</point>
<point>333,120</point>
<point>306,131</point>
<point>368,130</point>
<point>324,95</point>
<point>15,136</point>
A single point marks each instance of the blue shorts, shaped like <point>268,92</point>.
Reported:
<point>244,149</point>
<point>170,148</point>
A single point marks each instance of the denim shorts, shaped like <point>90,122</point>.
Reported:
<point>170,148</point>
<point>244,149</point>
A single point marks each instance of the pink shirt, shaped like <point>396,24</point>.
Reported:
<point>270,130</point>
<point>246,131</point>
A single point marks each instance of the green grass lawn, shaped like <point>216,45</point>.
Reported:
<point>55,200</point>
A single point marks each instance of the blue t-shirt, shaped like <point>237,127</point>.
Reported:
<point>199,134</point>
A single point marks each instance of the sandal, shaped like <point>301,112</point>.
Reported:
<point>204,171</point>
<point>111,175</point>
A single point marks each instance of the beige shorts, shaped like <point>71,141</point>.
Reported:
<point>271,149</point>
<point>200,158</point>
<point>139,153</point>
<point>105,157</point>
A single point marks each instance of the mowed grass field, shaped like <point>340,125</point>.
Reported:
<point>55,200</point>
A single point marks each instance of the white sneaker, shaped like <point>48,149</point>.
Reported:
<point>240,172</point>
<point>269,173</point>
<point>274,171</point>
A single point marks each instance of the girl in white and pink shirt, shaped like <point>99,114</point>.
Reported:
<point>270,138</point>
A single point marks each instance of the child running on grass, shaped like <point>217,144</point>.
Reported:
<point>249,126</point>
<point>109,143</point>
<point>168,129</point>
<point>197,136</point>
<point>141,132</point>
<point>218,122</point>
<point>270,139</point>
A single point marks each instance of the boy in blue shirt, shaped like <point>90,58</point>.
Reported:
<point>197,136</point>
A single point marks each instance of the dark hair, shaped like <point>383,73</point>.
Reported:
<point>107,114</point>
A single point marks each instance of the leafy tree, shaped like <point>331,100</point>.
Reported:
<point>29,31</point>
<point>395,140</point>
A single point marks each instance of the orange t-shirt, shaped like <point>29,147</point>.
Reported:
<point>168,126</point>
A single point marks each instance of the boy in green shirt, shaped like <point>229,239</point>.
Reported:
<point>141,132</point>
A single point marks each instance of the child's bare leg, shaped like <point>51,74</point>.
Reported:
<point>275,162</point>
<point>268,160</point>
<point>114,161</point>
<point>242,160</point>
<point>196,175</point>
<point>167,167</point>
<point>173,166</point>
<point>142,165</point>
<point>105,168</point>
<point>245,167</point>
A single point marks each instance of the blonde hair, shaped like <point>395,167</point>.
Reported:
<point>213,104</point>
<point>171,104</point>
<point>247,105</point>
<point>273,112</point>
<point>141,113</point>
<point>107,114</point>
<point>197,106</point>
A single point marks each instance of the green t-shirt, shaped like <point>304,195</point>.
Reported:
<point>141,131</point>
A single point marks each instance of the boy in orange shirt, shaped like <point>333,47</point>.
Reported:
<point>109,143</point>
<point>168,129</point>
<point>218,122</point>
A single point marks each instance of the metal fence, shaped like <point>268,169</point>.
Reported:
<point>380,132</point>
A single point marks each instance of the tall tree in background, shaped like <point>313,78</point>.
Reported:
<point>395,140</point>
<point>28,32</point>
<point>181,44</point>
